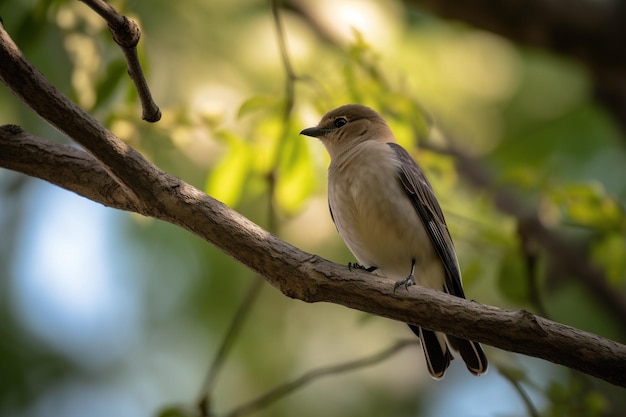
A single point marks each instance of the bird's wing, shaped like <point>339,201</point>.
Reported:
<point>421,194</point>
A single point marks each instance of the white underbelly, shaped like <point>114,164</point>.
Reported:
<point>380,226</point>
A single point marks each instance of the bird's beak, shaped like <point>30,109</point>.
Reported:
<point>314,132</point>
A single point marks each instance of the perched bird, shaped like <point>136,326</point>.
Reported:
<point>386,212</point>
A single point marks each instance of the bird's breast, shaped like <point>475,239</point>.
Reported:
<point>375,217</point>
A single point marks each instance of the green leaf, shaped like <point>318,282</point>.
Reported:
<point>296,179</point>
<point>590,206</point>
<point>257,103</point>
<point>227,179</point>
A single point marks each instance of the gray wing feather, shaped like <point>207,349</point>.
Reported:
<point>421,194</point>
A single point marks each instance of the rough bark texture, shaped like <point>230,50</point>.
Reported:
<point>115,175</point>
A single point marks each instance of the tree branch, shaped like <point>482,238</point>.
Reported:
<point>134,184</point>
<point>126,34</point>
<point>62,165</point>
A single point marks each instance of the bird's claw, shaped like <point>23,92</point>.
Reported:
<point>354,265</point>
<point>406,283</point>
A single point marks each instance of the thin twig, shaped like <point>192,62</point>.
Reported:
<point>284,54</point>
<point>532,410</point>
<point>243,312</point>
<point>126,34</point>
<point>309,377</point>
<point>590,32</point>
<point>529,253</point>
<point>290,100</point>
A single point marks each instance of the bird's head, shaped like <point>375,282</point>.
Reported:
<point>346,126</point>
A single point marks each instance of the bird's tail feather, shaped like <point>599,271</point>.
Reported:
<point>438,355</point>
<point>472,354</point>
<point>436,351</point>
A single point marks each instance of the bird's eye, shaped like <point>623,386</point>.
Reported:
<point>340,121</point>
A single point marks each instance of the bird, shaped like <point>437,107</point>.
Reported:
<point>387,214</point>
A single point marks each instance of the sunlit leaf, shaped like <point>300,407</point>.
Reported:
<point>295,187</point>
<point>256,103</point>
<point>226,180</point>
<point>297,174</point>
<point>588,205</point>
<point>266,140</point>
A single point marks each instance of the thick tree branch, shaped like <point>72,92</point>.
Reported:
<point>126,34</point>
<point>62,165</point>
<point>312,279</point>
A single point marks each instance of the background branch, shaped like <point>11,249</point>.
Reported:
<point>126,34</point>
<point>569,259</point>
<point>515,382</point>
<point>241,315</point>
<point>311,376</point>
<point>591,32</point>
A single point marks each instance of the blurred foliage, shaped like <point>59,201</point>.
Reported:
<point>216,72</point>
<point>574,400</point>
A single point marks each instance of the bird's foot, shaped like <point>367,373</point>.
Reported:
<point>408,281</point>
<point>354,265</point>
